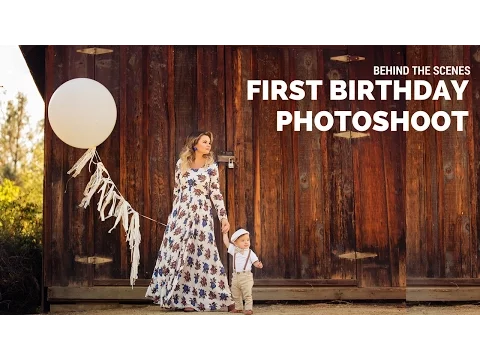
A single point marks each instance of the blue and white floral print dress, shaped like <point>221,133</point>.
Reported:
<point>188,271</point>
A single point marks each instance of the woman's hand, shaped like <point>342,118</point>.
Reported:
<point>225,226</point>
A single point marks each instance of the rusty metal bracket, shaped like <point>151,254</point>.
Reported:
<point>226,157</point>
<point>95,51</point>
<point>351,134</point>
<point>347,58</point>
<point>92,259</point>
<point>356,255</point>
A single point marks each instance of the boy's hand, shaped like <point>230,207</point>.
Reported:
<point>258,264</point>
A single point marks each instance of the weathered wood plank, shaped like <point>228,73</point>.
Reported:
<point>393,145</point>
<point>79,236</point>
<point>48,166</point>
<point>309,184</point>
<point>258,282</point>
<point>123,119</point>
<point>474,146</point>
<point>272,293</point>
<point>269,152</point>
<point>455,175</point>
<point>415,177</point>
<point>185,94</point>
<point>242,126</point>
<point>134,142</point>
<point>107,72</point>
<point>430,294</point>
<point>144,269</point>
<point>339,169</point>
<point>431,282</point>
<point>371,221</point>
<point>160,154</point>
<point>58,178</point>
<point>288,262</point>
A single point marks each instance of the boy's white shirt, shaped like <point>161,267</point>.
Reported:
<point>241,258</point>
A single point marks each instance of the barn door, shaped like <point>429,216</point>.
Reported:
<point>293,190</point>
<point>324,208</point>
<point>379,177</point>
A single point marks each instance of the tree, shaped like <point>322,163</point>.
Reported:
<point>15,138</point>
<point>21,149</point>
<point>21,189</point>
<point>31,174</point>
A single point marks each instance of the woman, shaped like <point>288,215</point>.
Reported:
<point>189,274</point>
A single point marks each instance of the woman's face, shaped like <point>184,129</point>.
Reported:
<point>203,146</point>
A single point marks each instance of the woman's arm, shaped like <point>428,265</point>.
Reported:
<point>217,198</point>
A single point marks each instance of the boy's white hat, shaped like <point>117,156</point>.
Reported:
<point>238,233</point>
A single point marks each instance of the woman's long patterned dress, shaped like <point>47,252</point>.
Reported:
<point>188,271</point>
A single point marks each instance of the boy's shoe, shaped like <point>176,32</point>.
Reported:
<point>248,312</point>
<point>236,311</point>
<point>189,309</point>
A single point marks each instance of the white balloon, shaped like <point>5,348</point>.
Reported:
<point>82,113</point>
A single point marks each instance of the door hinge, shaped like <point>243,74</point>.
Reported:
<point>92,259</point>
<point>347,58</point>
<point>351,134</point>
<point>95,51</point>
<point>355,255</point>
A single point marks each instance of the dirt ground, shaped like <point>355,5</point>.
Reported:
<point>324,308</point>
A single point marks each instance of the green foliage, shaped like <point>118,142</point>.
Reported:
<point>20,252</point>
<point>20,275</point>
<point>18,218</point>
<point>16,138</point>
<point>21,149</point>
<point>21,199</point>
<point>9,191</point>
<point>30,176</point>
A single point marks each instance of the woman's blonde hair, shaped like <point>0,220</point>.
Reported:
<point>187,155</point>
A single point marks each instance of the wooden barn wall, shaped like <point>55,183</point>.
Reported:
<point>442,176</point>
<point>311,199</point>
<point>161,95</point>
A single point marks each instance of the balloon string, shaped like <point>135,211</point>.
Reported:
<point>66,185</point>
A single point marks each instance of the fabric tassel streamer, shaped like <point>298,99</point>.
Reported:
<point>134,238</point>
<point>95,181</point>
<point>106,199</point>
<point>101,183</point>
<point>80,164</point>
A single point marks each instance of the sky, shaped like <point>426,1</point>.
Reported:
<point>14,77</point>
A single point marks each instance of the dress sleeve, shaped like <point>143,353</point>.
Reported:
<point>215,194</point>
<point>176,188</point>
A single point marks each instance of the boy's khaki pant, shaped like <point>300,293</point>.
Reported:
<point>242,284</point>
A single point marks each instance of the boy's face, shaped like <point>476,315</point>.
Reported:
<point>243,242</point>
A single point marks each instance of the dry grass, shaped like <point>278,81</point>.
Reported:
<point>259,309</point>
<point>323,308</point>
